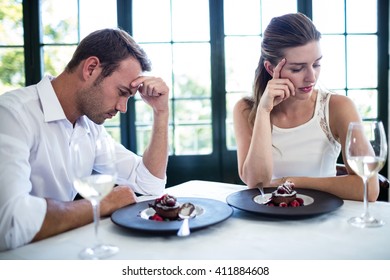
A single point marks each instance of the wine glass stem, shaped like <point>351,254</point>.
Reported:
<point>366,214</point>
<point>96,218</point>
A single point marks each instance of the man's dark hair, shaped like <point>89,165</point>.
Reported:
<point>111,46</point>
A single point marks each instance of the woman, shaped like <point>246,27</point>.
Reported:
<point>289,129</point>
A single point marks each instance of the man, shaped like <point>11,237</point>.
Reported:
<point>36,131</point>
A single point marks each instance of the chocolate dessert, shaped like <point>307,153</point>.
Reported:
<point>166,207</point>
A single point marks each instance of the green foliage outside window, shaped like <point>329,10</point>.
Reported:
<point>11,45</point>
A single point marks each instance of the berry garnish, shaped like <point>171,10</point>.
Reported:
<point>295,203</point>
<point>280,190</point>
<point>300,201</point>
<point>156,217</point>
<point>170,201</point>
<point>166,199</point>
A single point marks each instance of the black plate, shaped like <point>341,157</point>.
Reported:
<point>322,203</point>
<point>214,212</point>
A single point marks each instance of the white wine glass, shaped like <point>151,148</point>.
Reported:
<point>94,186</point>
<point>366,153</point>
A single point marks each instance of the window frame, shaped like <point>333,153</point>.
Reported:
<point>221,164</point>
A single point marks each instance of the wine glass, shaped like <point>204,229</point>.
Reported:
<point>366,152</point>
<point>95,186</point>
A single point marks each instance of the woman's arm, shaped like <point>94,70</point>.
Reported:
<point>254,145</point>
<point>342,111</point>
<point>254,153</point>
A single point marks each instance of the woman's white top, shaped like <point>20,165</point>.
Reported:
<point>309,149</point>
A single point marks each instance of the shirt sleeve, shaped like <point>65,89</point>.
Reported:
<point>21,213</point>
<point>133,172</point>
<point>17,227</point>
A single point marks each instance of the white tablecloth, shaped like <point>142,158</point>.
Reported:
<point>243,236</point>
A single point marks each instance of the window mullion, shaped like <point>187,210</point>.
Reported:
<point>217,44</point>
<point>383,69</point>
<point>32,41</point>
<point>127,120</point>
<point>305,7</point>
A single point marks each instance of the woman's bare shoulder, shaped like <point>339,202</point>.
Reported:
<point>341,106</point>
<point>242,105</point>
<point>339,100</point>
<point>342,111</point>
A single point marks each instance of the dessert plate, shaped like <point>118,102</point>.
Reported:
<point>135,216</point>
<point>315,203</point>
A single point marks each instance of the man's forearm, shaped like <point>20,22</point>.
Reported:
<point>155,156</point>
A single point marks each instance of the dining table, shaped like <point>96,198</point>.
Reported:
<point>239,235</point>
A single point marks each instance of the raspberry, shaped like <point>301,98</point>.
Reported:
<point>283,204</point>
<point>295,203</point>
<point>156,217</point>
<point>166,199</point>
<point>300,201</point>
<point>281,190</point>
<point>158,200</point>
<point>170,202</point>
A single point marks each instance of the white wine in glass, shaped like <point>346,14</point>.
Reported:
<point>94,186</point>
<point>366,153</point>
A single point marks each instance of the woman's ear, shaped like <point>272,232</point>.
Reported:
<point>269,67</point>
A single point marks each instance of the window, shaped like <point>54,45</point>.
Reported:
<point>207,52</point>
<point>64,24</point>
<point>353,22</point>
<point>244,26</point>
<point>235,37</point>
<point>350,50</point>
<point>11,45</point>
<point>180,52</point>
<point>50,40</point>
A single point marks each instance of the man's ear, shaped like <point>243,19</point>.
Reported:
<point>91,64</point>
<point>269,67</point>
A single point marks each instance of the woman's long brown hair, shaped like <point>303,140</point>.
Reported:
<point>287,31</point>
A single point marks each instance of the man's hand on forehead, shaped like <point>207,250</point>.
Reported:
<point>150,86</point>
